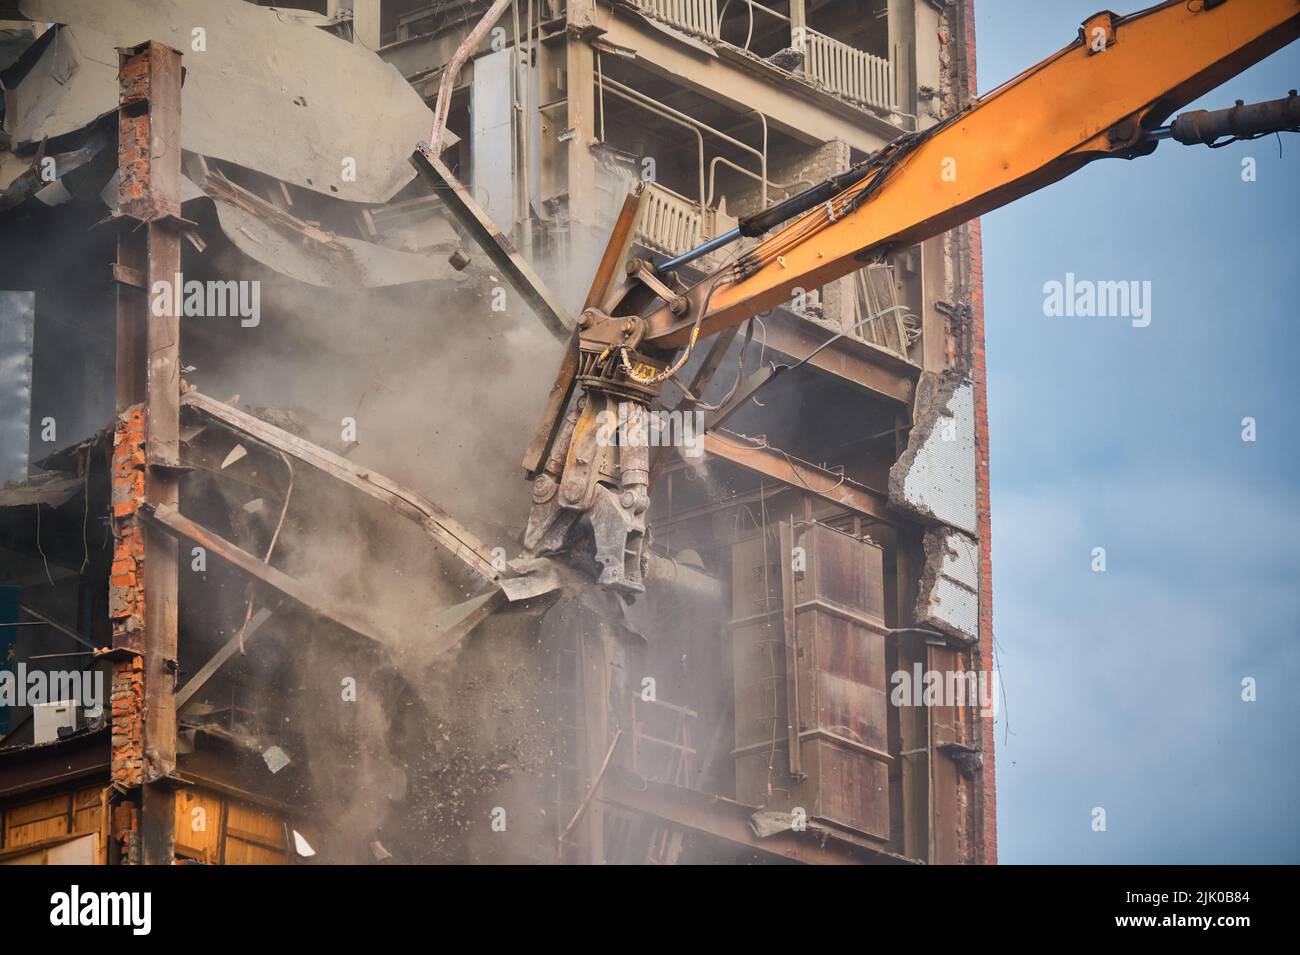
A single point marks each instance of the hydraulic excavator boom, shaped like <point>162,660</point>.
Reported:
<point>1107,94</point>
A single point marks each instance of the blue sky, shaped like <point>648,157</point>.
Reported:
<point>1123,688</point>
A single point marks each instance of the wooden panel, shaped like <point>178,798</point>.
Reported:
<point>37,821</point>
<point>253,837</point>
<point>87,811</point>
<point>198,825</point>
<point>82,850</point>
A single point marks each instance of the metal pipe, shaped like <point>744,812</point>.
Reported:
<point>684,580</point>
<point>786,186</point>
<point>699,251</point>
<point>751,4</point>
<point>761,222</point>
<point>763,154</point>
<point>600,93</point>
<point>1206,127</point>
<point>66,631</point>
<point>698,135</point>
<point>627,93</point>
<point>519,115</point>
<point>684,119</point>
<point>452,69</point>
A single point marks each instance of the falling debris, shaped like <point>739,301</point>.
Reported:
<point>237,453</point>
<point>276,758</point>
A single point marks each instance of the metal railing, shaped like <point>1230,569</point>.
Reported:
<point>840,69</point>
<point>888,322</point>
<point>672,223</point>
<point>848,72</point>
<point>693,16</point>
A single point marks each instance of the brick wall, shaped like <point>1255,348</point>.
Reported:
<point>980,378</point>
<point>126,612</point>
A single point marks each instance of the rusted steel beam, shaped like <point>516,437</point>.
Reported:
<point>951,791</point>
<point>729,820</point>
<point>699,381</point>
<point>218,659</point>
<point>790,636</point>
<point>580,170</point>
<point>780,466</point>
<point>866,365</point>
<point>610,270</point>
<point>143,585</point>
<point>557,400</point>
<point>437,523</point>
<point>495,244</point>
<point>169,518</point>
<point>452,68</point>
<point>608,274</point>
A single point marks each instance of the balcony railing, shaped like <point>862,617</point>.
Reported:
<point>672,224</point>
<point>693,16</point>
<point>848,72</point>
<point>888,322</point>
<point>845,71</point>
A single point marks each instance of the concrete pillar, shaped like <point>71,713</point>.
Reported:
<point>366,29</point>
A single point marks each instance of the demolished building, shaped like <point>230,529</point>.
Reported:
<point>281,516</point>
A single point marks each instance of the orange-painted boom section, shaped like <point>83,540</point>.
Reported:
<point>1095,98</point>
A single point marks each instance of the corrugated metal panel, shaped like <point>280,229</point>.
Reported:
<point>823,629</point>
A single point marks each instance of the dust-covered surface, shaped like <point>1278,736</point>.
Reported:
<point>934,478</point>
<point>948,596</point>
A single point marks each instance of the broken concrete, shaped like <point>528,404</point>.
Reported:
<point>344,120</point>
<point>934,479</point>
<point>948,597</point>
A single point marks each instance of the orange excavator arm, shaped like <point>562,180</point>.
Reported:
<point>1101,96</point>
<point>1105,95</point>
